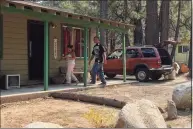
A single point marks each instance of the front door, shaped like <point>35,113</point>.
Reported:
<point>35,50</point>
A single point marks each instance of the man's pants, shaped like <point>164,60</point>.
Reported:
<point>98,69</point>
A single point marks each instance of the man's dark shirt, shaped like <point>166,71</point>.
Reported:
<point>98,51</point>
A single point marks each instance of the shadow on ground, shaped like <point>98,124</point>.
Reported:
<point>184,113</point>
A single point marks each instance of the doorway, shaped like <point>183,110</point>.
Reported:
<point>35,31</point>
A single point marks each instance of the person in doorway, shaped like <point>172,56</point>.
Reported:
<point>70,58</point>
<point>99,53</point>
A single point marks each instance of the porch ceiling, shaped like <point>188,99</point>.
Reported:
<point>51,14</point>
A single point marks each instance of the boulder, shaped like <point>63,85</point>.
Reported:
<point>140,114</point>
<point>42,125</point>
<point>182,96</point>
<point>171,110</point>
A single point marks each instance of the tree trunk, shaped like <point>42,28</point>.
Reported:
<point>90,99</point>
<point>103,15</point>
<point>152,28</point>
<point>190,51</point>
<point>93,99</point>
<point>177,30</point>
<point>107,41</point>
<point>164,20</point>
<point>125,20</point>
<point>190,56</point>
<point>138,33</point>
<point>112,41</point>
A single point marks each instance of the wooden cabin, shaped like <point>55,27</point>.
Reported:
<point>33,38</point>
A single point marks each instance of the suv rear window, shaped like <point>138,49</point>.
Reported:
<point>132,53</point>
<point>148,52</point>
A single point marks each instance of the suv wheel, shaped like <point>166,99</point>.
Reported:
<point>142,74</point>
<point>156,76</point>
<point>110,75</point>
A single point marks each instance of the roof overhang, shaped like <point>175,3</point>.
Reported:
<point>53,14</point>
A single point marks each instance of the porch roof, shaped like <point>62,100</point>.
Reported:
<point>52,14</point>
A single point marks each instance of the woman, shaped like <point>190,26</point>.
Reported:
<point>70,58</point>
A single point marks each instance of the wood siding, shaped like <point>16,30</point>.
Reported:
<point>15,51</point>
<point>15,58</point>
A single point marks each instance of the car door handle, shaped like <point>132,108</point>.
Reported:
<point>30,49</point>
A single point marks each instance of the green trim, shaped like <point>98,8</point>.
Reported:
<point>62,41</point>
<point>124,59</point>
<point>85,56</point>
<point>1,35</point>
<point>97,32</point>
<point>49,17</point>
<point>46,55</point>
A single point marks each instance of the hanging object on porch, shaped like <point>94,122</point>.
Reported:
<point>55,48</point>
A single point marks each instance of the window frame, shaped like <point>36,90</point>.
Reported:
<point>74,27</point>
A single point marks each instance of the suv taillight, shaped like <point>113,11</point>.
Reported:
<point>159,62</point>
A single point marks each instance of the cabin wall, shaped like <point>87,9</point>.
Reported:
<point>15,50</point>
<point>181,57</point>
<point>15,57</point>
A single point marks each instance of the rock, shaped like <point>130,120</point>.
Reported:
<point>42,125</point>
<point>140,114</point>
<point>182,96</point>
<point>171,110</point>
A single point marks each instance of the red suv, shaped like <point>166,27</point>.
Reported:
<point>143,62</point>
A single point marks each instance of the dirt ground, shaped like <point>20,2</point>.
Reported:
<point>68,114</point>
<point>71,114</point>
<point>159,92</point>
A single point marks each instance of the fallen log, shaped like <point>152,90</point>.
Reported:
<point>93,99</point>
<point>90,99</point>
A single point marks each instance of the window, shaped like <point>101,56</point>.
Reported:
<point>74,36</point>
<point>148,52</point>
<point>179,49</point>
<point>79,42</point>
<point>115,55</point>
<point>183,49</point>
<point>66,39</point>
<point>132,53</point>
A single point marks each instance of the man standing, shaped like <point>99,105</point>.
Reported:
<point>99,53</point>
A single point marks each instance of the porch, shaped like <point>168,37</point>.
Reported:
<point>17,61</point>
<point>63,87</point>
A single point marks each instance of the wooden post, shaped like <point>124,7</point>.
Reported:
<point>46,56</point>
<point>124,59</point>
<point>97,32</point>
<point>85,55</point>
<point>1,35</point>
